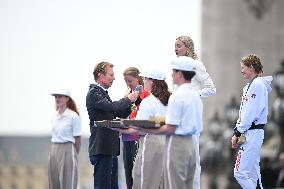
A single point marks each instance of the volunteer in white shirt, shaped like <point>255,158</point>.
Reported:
<point>249,133</point>
<point>183,120</point>
<point>201,82</point>
<point>66,141</point>
<point>148,165</point>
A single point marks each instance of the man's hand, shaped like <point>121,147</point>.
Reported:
<point>234,141</point>
<point>133,96</point>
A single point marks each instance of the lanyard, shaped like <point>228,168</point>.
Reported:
<point>242,102</point>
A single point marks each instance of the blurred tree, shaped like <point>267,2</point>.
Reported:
<point>278,105</point>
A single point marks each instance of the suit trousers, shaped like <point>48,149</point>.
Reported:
<point>105,171</point>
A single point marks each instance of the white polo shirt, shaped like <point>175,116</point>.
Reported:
<point>150,106</point>
<point>185,111</point>
<point>65,127</point>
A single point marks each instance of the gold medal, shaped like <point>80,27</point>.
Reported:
<point>241,139</point>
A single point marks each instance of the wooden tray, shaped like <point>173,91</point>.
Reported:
<point>154,122</point>
<point>141,123</point>
<point>111,124</point>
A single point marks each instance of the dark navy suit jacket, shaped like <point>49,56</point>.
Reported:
<point>104,141</point>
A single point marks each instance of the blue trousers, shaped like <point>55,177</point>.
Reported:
<point>105,171</point>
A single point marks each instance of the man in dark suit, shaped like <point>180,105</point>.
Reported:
<point>104,143</point>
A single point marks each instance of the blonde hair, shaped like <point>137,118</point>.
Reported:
<point>134,72</point>
<point>188,43</point>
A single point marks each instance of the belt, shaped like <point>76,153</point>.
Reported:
<point>254,126</point>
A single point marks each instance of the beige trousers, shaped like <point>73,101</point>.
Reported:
<point>179,162</point>
<point>62,166</point>
<point>148,166</point>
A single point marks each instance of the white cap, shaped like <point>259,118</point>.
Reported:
<point>183,63</point>
<point>154,73</point>
<point>63,92</point>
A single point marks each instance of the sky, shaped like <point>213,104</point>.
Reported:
<point>51,44</point>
